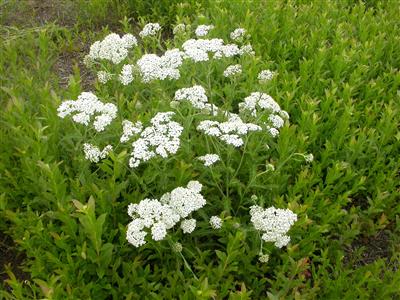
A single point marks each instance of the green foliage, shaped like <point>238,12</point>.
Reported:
<point>338,77</point>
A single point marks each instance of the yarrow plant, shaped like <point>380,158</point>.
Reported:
<point>219,122</point>
<point>274,223</point>
<point>216,222</point>
<point>265,75</point>
<point>233,70</point>
<point>86,106</point>
<point>113,48</point>
<point>161,215</point>
<point>161,138</point>
<point>202,30</point>
<point>94,154</point>
<point>209,159</point>
<point>150,29</point>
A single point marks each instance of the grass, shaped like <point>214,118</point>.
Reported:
<point>338,77</point>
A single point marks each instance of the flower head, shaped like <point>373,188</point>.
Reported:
<point>274,223</point>
<point>161,215</point>
<point>238,34</point>
<point>150,29</point>
<point>113,48</point>
<point>209,159</point>
<point>161,138</point>
<point>202,30</point>
<point>86,106</point>
<point>265,75</point>
<point>233,70</point>
<point>216,222</point>
<point>188,225</point>
<point>94,154</point>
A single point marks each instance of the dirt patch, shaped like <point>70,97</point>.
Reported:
<point>372,248</point>
<point>11,257</point>
<point>30,13</point>
<point>64,67</point>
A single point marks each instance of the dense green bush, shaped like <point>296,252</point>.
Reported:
<point>338,77</point>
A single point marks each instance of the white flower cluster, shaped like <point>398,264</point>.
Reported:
<point>237,34</point>
<point>161,215</point>
<point>113,48</point>
<point>94,154</point>
<point>246,49</point>
<point>129,129</point>
<point>179,29</point>
<point>265,75</point>
<point>198,50</point>
<point>274,223</point>
<point>216,222</point>
<point>261,101</point>
<point>150,29</point>
<point>309,158</point>
<point>152,66</point>
<point>202,30</point>
<point>196,95</point>
<point>233,70</point>
<point>85,107</point>
<point>188,225</point>
<point>103,76</point>
<point>209,159</point>
<point>126,76</point>
<point>230,131</point>
<point>263,258</point>
<point>162,138</point>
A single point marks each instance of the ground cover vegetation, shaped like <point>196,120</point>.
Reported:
<point>225,150</point>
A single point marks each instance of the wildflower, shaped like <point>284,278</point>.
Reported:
<point>229,50</point>
<point>254,198</point>
<point>209,159</point>
<point>177,247</point>
<point>103,76</point>
<point>284,114</point>
<point>198,50</point>
<point>94,154</point>
<point>265,75</point>
<point>150,29</point>
<point>85,107</point>
<point>259,100</point>
<point>202,30</point>
<point>196,95</point>
<point>276,121</point>
<point>309,158</point>
<point>129,129</point>
<point>179,29</point>
<point>273,131</point>
<point>263,258</point>
<point>158,231</point>
<point>126,76</point>
<point>161,215</point>
<point>232,70</point>
<point>238,34</point>
<point>274,223</point>
<point>152,66</point>
<point>187,200</point>
<point>112,48</point>
<point>135,233</point>
<point>188,226</point>
<point>230,131</point>
<point>161,138</point>
<point>216,222</point>
<point>246,49</point>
